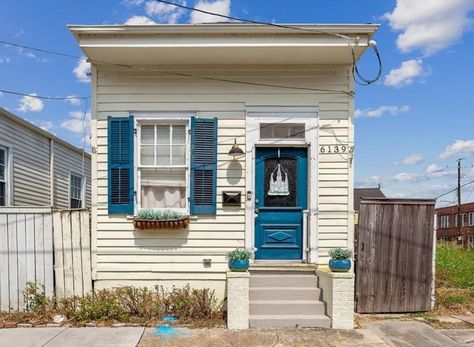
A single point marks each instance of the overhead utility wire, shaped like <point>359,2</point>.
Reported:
<point>181,74</point>
<point>45,97</point>
<point>453,190</point>
<point>355,71</point>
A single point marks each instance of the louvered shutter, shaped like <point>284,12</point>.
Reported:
<point>203,166</point>
<point>120,164</point>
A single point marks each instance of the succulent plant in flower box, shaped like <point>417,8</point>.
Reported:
<point>160,219</point>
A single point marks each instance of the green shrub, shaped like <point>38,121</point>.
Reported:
<point>151,214</point>
<point>340,253</point>
<point>35,299</point>
<point>454,267</point>
<point>239,254</point>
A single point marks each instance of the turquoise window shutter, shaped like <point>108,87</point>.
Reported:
<point>120,165</point>
<point>203,166</point>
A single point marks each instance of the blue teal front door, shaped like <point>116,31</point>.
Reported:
<point>281,195</point>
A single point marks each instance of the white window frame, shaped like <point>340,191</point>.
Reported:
<point>83,188</point>
<point>8,173</point>
<point>444,221</point>
<point>471,219</point>
<point>165,119</point>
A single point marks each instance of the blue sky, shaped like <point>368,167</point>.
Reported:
<point>410,128</point>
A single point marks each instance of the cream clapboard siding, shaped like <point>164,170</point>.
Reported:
<point>65,163</point>
<point>125,256</point>
<point>31,179</point>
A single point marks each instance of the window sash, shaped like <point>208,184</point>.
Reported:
<point>76,191</point>
<point>3,164</point>
<point>177,137</point>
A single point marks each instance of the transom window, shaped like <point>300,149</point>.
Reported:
<point>76,191</point>
<point>270,131</point>
<point>163,166</point>
<point>3,176</point>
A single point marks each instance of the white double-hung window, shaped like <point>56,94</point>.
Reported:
<point>163,165</point>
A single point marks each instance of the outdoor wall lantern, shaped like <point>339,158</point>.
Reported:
<point>235,150</point>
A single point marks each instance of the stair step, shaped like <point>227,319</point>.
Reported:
<point>270,280</point>
<point>289,293</point>
<point>290,321</point>
<point>286,307</point>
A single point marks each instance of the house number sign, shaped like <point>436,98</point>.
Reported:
<point>333,149</point>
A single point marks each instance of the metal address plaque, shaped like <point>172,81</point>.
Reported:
<point>333,149</point>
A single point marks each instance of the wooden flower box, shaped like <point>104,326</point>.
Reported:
<point>149,224</point>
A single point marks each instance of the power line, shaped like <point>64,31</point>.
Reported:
<point>453,190</point>
<point>43,96</point>
<point>181,74</point>
<point>355,70</point>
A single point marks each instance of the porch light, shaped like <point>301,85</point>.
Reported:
<point>235,150</point>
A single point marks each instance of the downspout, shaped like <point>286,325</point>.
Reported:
<point>51,172</point>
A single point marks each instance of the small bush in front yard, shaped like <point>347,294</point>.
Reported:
<point>125,304</point>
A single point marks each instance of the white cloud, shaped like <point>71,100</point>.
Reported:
<point>73,100</point>
<point>82,70</point>
<point>413,159</point>
<point>408,177</point>
<point>218,6</point>
<point>433,168</point>
<point>459,147</point>
<point>430,25</point>
<point>4,60</point>
<point>165,13</point>
<point>405,74</point>
<point>380,111</point>
<point>139,20</point>
<point>133,2</point>
<point>76,123</point>
<point>46,125</point>
<point>30,104</point>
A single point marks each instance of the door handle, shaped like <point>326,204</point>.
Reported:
<point>257,210</point>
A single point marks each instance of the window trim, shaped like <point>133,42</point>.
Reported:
<point>444,218</point>
<point>8,173</point>
<point>83,186</point>
<point>165,119</point>
<point>470,219</point>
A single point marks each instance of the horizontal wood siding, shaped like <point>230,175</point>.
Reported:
<point>125,255</point>
<point>65,162</point>
<point>30,170</point>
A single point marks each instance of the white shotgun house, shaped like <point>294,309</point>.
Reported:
<point>248,130</point>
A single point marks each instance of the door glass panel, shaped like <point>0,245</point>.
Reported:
<point>284,196</point>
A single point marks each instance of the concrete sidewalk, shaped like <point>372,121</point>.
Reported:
<point>70,337</point>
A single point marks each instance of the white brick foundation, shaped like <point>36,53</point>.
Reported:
<point>238,300</point>
<point>338,294</point>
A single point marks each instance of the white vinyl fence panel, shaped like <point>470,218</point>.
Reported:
<point>26,253</point>
<point>72,252</point>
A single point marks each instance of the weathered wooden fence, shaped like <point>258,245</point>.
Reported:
<point>394,256</point>
<point>26,253</point>
<point>72,253</point>
<point>48,248</point>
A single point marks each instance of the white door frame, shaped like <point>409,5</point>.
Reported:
<point>308,116</point>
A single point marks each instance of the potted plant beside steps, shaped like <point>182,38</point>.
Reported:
<point>340,260</point>
<point>239,259</point>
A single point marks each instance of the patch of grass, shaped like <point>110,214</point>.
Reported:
<point>454,280</point>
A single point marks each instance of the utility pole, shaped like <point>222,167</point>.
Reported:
<point>458,216</point>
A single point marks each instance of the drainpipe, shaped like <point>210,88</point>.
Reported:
<point>51,172</point>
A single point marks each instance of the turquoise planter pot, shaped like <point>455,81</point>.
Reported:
<point>337,265</point>
<point>239,265</point>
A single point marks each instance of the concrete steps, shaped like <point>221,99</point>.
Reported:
<point>286,297</point>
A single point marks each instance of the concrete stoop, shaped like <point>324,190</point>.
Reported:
<point>286,298</point>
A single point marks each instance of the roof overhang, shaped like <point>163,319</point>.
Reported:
<point>229,43</point>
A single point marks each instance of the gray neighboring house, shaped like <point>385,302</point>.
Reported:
<point>39,169</point>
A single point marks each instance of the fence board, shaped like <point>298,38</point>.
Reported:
<point>394,256</point>
<point>72,252</point>
<point>23,255</point>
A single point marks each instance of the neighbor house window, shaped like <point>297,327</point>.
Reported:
<point>163,166</point>
<point>463,219</point>
<point>471,219</point>
<point>3,176</point>
<point>444,222</point>
<point>76,191</point>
